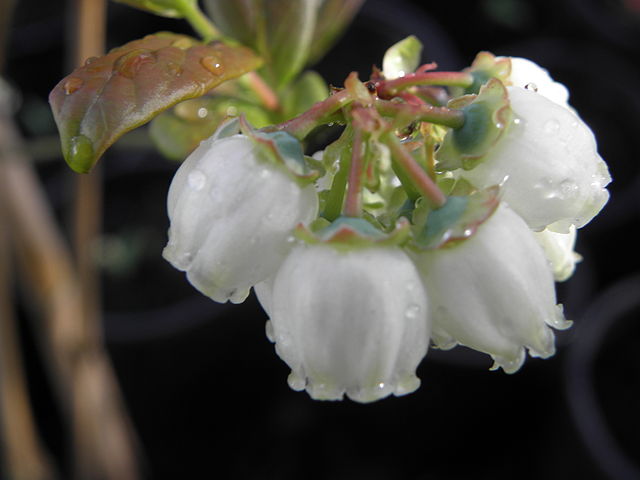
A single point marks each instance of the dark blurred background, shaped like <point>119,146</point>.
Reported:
<point>207,393</point>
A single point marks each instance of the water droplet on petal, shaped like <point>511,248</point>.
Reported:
<point>202,112</point>
<point>197,180</point>
<point>212,64</point>
<point>531,86</point>
<point>72,85</point>
<point>408,384</point>
<point>130,63</point>
<point>551,126</point>
<point>296,382</point>
<point>291,239</point>
<point>412,311</point>
<point>90,60</point>
<point>269,331</point>
<point>499,125</point>
<point>517,121</point>
<point>467,232</point>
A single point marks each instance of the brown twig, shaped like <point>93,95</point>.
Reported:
<point>25,457</point>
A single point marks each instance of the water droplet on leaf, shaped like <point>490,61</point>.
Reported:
<point>212,64</point>
<point>130,63</point>
<point>80,153</point>
<point>531,86</point>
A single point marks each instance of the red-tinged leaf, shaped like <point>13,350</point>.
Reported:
<point>113,94</point>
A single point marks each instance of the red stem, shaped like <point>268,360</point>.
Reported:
<point>302,125</point>
<point>421,180</point>
<point>389,88</point>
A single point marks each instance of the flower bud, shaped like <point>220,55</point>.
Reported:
<point>493,292</point>
<point>549,163</point>
<point>529,75</point>
<point>351,321</point>
<point>231,214</point>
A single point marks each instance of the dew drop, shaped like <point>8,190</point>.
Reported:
<point>90,60</point>
<point>551,126</point>
<point>517,121</point>
<point>197,180</point>
<point>182,43</point>
<point>467,232</point>
<point>265,173</point>
<point>296,382</point>
<point>80,152</point>
<point>174,69</point>
<point>499,125</point>
<point>291,239</point>
<point>269,331</point>
<point>531,86</point>
<point>232,111</point>
<point>202,112</point>
<point>72,85</point>
<point>412,311</point>
<point>130,63</point>
<point>408,384</point>
<point>212,64</point>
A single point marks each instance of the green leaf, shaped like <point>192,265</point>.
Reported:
<point>281,31</point>
<point>178,131</point>
<point>456,221</point>
<point>333,18</point>
<point>310,88</point>
<point>163,8</point>
<point>402,58</point>
<point>111,95</point>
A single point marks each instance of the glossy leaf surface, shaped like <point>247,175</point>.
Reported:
<point>111,95</point>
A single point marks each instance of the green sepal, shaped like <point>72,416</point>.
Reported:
<point>456,221</point>
<point>402,57</point>
<point>487,117</point>
<point>485,67</point>
<point>283,150</point>
<point>346,233</point>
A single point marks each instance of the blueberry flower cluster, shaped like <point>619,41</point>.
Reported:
<point>442,215</point>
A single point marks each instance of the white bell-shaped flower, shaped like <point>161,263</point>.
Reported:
<point>493,292</point>
<point>529,75</point>
<point>558,248</point>
<point>351,322</point>
<point>232,213</point>
<point>549,164</point>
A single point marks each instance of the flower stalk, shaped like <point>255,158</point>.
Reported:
<point>389,88</point>
<point>353,202</point>
<point>420,179</point>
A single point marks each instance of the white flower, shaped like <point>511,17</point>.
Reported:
<point>528,74</point>
<point>353,321</point>
<point>558,248</point>
<point>549,159</point>
<point>231,213</point>
<point>493,292</point>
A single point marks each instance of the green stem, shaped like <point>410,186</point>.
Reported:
<point>388,88</point>
<point>353,202</point>
<point>199,21</point>
<point>405,113</point>
<point>318,114</point>
<point>421,181</point>
<point>335,198</point>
